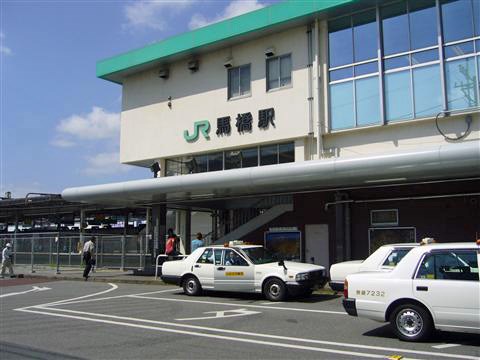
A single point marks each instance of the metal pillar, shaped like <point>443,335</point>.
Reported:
<point>15,240</point>
<point>82,232</point>
<point>159,222</point>
<point>124,239</point>
<point>57,240</point>
<point>31,252</point>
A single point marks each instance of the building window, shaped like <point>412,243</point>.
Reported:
<point>354,81</point>
<point>410,62</point>
<point>239,81</point>
<point>233,159</point>
<point>279,71</point>
<point>269,155</point>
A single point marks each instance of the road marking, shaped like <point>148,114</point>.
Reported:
<point>233,304</point>
<point>33,289</point>
<point>223,314</point>
<point>445,346</point>
<point>244,333</point>
<point>67,301</point>
<point>272,303</point>
<point>212,336</point>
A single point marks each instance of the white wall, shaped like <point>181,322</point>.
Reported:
<point>150,130</point>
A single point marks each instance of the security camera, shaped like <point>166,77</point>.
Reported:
<point>228,63</point>
<point>164,73</point>
<point>270,52</point>
<point>193,65</point>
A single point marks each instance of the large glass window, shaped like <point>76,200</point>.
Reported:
<point>428,90</point>
<point>239,81</point>
<point>233,160</point>
<point>340,42</point>
<point>249,157</point>
<point>367,100</point>
<point>457,19</point>
<point>341,105</point>
<point>365,36</point>
<point>286,153</point>
<point>395,28</point>
<point>423,24</point>
<point>462,83</point>
<point>215,162</point>
<point>279,71</point>
<point>398,96</point>
<point>268,155</point>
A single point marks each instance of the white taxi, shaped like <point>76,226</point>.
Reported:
<point>386,257</point>
<point>434,287</point>
<point>242,268</point>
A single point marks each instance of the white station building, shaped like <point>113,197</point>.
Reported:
<point>319,128</point>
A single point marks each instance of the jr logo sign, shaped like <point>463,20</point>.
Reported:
<point>199,126</point>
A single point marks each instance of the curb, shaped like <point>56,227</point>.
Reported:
<point>97,279</point>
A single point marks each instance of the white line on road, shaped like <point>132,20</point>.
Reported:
<point>445,346</point>
<point>276,337</point>
<point>66,301</point>
<point>233,304</point>
<point>220,337</point>
<point>33,289</point>
<point>223,314</point>
<point>271,303</point>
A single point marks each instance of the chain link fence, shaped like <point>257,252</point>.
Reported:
<point>112,251</point>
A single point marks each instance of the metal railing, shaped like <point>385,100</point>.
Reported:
<point>65,249</point>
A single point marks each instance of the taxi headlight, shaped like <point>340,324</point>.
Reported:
<point>302,276</point>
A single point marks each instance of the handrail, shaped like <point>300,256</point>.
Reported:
<point>181,257</point>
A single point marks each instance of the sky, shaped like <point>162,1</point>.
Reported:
<point>59,124</point>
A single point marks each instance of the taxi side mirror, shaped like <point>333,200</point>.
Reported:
<point>282,263</point>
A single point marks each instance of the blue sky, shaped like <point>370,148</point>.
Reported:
<point>59,124</point>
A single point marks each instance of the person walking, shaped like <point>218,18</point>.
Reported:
<point>198,242</point>
<point>88,256</point>
<point>7,257</point>
<point>171,245</point>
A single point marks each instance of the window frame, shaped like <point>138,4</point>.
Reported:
<point>435,252</point>
<point>441,61</point>
<point>267,77</point>
<point>229,85</point>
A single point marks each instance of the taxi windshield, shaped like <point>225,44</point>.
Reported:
<point>260,255</point>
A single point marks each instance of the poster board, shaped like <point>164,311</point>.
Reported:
<point>285,244</point>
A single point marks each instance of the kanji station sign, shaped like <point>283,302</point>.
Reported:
<point>243,123</point>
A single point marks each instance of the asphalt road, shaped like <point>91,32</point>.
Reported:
<point>83,320</point>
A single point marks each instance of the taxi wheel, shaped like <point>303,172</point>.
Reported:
<point>275,290</point>
<point>191,286</point>
<point>411,322</point>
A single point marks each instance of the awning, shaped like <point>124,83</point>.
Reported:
<point>420,164</point>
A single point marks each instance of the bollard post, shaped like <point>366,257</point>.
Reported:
<point>69,251</point>
<point>57,240</point>
<point>31,254</point>
<point>122,260</point>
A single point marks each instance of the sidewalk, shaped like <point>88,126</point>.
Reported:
<point>76,273</point>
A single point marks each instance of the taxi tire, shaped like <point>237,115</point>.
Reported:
<point>191,286</point>
<point>275,290</point>
<point>411,313</point>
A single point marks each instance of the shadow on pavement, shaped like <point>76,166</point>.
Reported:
<point>15,351</point>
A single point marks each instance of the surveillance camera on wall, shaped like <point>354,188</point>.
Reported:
<point>164,73</point>
<point>228,63</point>
<point>193,65</point>
<point>270,52</point>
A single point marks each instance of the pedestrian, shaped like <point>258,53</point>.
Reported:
<point>172,243</point>
<point>7,257</point>
<point>88,256</point>
<point>198,242</point>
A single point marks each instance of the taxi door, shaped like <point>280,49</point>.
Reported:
<point>233,272</point>
<point>448,281</point>
<point>203,268</point>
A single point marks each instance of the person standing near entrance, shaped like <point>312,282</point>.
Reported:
<point>88,256</point>
<point>171,245</point>
<point>198,242</point>
<point>7,257</point>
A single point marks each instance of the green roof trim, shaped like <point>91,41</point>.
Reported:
<point>211,34</point>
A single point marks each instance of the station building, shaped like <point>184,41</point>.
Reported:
<point>320,128</point>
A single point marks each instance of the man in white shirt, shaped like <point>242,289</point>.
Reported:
<point>7,256</point>
<point>88,253</point>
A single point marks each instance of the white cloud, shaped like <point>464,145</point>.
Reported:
<point>3,48</point>
<point>104,164</point>
<point>235,8</point>
<point>153,14</point>
<point>97,125</point>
